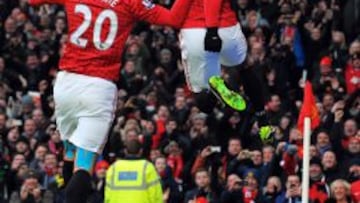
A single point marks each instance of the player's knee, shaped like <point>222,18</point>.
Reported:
<point>205,101</point>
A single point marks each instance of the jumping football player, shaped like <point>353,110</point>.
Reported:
<point>211,36</point>
<point>85,92</point>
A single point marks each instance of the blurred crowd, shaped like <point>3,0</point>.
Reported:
<point>215,157</point>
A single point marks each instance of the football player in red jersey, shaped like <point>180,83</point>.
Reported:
<point>211,37</point>
<point>85,93</point>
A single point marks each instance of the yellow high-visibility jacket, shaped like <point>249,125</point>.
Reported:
<point>132,181</point>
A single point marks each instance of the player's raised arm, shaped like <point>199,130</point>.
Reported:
<point>155,14</point>
<point>212,13</point>
<point>39,2</point>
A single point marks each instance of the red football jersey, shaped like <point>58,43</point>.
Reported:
<point>210,13</point>
<point>98,30</point>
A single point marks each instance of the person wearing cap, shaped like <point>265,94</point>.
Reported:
<point>352,73</point>
<point>327,78</point>
<point>133,179</point>
<point>22,146</point>
<point>325,65</point>
<point>250,190</point>
<point>318,189</point>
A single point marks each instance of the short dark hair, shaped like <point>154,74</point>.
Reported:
<point>133,147</point>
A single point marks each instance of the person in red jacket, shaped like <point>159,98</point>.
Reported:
<point>355,191</point>
<point>210,37</point>
<point>319,190</point>
<point>175,160</point>
<point>85,92</point>
<point>352,73</point>
<point>250,190</point>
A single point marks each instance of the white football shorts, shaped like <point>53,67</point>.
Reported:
<point>84,109</point>
<point>200,65</point>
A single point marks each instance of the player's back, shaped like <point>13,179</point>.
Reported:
<point>196,16</point>
<point>97,34</point>
<point>98,30</point>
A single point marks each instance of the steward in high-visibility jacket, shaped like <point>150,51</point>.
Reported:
<point>133,180</point>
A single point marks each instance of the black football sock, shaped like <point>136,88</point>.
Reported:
<point>205,101</point>
<point>67,171</point>
<point>253,88</point>
<point>79,187</point>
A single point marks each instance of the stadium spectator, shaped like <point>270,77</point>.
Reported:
<point>169,186</point>
<point>272,189</point>
<point>99,180</point>
<point>292,192</point>
<point>31,191</point>
<point>232,192</point>
<point>203,190</point>
<point>318,190</point>
<point>340,190</point>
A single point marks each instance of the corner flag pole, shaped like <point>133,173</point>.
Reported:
<point>306,154</point>
<point>306,161</point>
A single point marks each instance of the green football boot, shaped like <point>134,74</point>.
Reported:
<point>227,96</point>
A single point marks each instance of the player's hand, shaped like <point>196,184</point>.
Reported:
<point>212,40</point>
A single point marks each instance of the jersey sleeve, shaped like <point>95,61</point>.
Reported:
<point>156,14</point>
<point>212,10</point>
<point>39,2</point>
